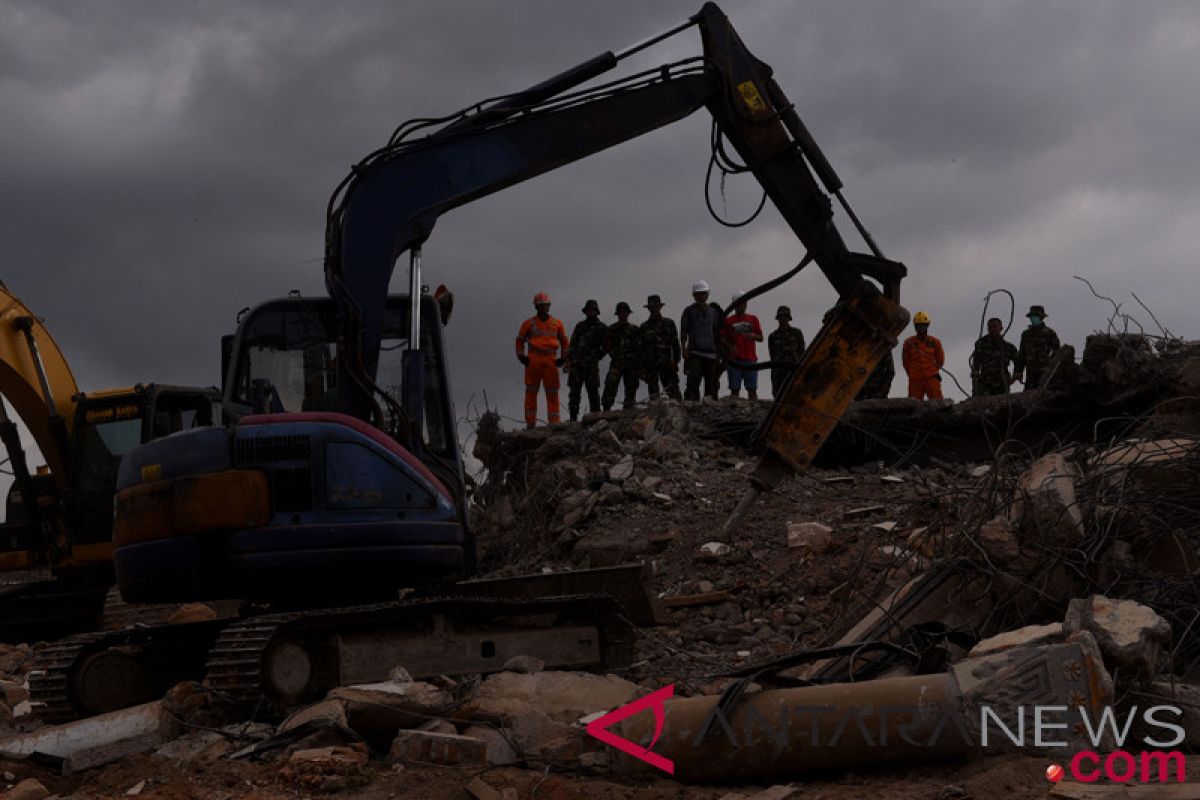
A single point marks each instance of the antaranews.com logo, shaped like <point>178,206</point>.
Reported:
<point>1025,727</point>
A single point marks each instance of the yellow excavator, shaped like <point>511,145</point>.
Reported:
<point>56,553</point>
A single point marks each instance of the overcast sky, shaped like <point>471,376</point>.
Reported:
<point>165,164</point>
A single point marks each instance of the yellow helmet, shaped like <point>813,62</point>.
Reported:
<point>920,318</point>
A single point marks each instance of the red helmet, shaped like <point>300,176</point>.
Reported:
<point>541,297</point>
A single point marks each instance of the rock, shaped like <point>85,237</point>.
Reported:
<point>13,693</point>
<point>563,696</point>
<point>332,710</point>
<point>482,790</point>
<point>498,750</point>
<point>1128,632</point>
<point>136,789</point>
<point>1021,637</point>
<point>437,726</point>
<point>662,498</point>
<point>610,494</point>
<point>715,550</point>
<point>981,470</point>
<point>1047,508</point>
<point>998,539</point>
<point>28,789</point>
<point>651,483</point>
<point>811,535</point>
<point>643,428</point>
<point>333,756</point>
<point>704,587</point>
<point>622,470</point>
<point>885,527</point>
<point>526,665</point>
<point>399,674</point>
<point>533,730</point>
<point>191,612</point>
<point>438,748</point>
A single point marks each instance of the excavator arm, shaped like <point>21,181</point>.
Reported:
<point>393,198</point>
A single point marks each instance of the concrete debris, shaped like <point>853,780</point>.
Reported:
<point>562,696</point>
<point>715,550</point>
<point>424,747</point>
<point>498,749</point>
<point>998,539</point>
<point>1030,636</point>
<point>981,470</point>
<point>93,741</point>
<point>331,756</point>
<point>1047,508</point>
<point>810,535</point>
<point>885,527</point>
<point>136,789</point>
<point>524,664</point>
<point>399,674</point>
<point>1129,633</point>
<point>28,789</point>
<point>533,731</point>
<point>622,470</point>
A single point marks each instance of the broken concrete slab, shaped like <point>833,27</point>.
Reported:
<point>1046,507</point>
<point>332,710</point>
<point>93,741</point>
<point>437,748</point>
<point>1028,636</point>
<point>563,696</point>
<point>533,731</point>
<point>1129,633</point>
<point>810,535</point>
<point>998,538</point>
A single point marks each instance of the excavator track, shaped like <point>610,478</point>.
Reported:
<point>271,662</point>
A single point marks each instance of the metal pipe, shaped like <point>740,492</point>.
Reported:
<point>25,325</point>
<point>653,40</point>
<point>414,299</point>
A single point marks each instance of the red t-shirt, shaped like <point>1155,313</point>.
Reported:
<point>741,344</point>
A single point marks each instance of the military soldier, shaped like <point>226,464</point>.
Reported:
<point>621,344</point>
<point>879,382</point>
<point>990,360</point>
<point>784,344</point>
<point>583,359</point>
<point>658,341</point>
<point>1039,343</point>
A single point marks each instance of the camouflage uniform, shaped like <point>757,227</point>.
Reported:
<point>1038,346</point>
<point>989,366</point>
<point>784,344</point>
<point>659,346</point>
<point>583,363</point>
<point>621,344</point>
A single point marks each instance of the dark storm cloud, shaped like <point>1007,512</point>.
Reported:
<point>163,165</point>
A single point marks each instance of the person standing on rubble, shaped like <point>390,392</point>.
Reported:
<point>784,344</point>
<point>544,336</point>
<point>1039,344</point>
<point>582,361</point>
<point>879,382</point>
<point>990,360</point>
<point>658,341</point>
<point>621,345</point>
<point>740,333</point>
<point>699,332</point>
<point>923,358</point>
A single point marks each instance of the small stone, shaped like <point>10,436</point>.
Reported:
<point>664,499</point>
<point>136,789</point>
<point>886,527</point>
<point>524,664</point>
<point>622,470</point>
<point>715,550</point>
<point>981,470</point>
<point>28,789</point>
<point>704,587</point>
<point>811,535</point>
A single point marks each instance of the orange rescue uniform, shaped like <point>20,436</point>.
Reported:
<point>922,361</point>
<point>545,338</point>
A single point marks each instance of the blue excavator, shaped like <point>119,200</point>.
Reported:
<point>333,498</point>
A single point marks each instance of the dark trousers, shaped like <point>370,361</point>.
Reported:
<point>668,376</point>
<point>582,375</point>
<point>699,369</point>
<point>612,381</point>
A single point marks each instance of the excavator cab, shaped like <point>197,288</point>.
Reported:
<point>292,499</point>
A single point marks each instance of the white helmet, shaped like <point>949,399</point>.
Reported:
<point>737,296</point>
<point>699,286</point>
